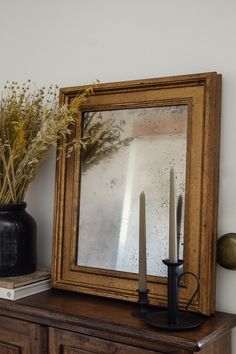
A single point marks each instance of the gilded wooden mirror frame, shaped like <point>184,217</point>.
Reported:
<point>202,94</point>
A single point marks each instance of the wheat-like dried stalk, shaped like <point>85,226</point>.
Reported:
<point>101,138</point>
<point>29,124</point>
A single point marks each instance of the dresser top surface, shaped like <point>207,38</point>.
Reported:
<point>74,311</point>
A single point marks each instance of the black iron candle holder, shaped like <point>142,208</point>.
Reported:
<point>173,319</point>
<point>173,291</point>
<point>142,303</point>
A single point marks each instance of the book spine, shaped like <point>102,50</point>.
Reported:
<point>32,289</point>
<point>18,293</point>
<point>7,294</point>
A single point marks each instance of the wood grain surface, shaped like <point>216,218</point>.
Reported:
<point>111,320</point>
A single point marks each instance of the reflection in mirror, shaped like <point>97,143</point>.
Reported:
<point>131,151</point>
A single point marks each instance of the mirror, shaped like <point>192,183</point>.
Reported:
<point>143,128</point>
<point>133,151</point>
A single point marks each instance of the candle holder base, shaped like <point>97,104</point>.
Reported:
<point>142,311</point>
<point>187,320</point>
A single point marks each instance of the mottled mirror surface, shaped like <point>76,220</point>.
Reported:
<point>127,152</point>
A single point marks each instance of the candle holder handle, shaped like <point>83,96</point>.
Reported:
<point>196,290</point>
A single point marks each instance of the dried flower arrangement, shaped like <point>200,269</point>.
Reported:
<point>30,122</point>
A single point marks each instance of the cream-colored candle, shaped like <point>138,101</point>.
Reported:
<point>142,245</point>
<point>172,220</point>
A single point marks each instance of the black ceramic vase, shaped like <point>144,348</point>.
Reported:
<point>17,240</point>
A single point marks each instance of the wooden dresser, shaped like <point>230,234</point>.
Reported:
<point>57,322</point>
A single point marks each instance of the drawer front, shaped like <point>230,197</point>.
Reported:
<point>21,337</point>
<point>63,342</point>
<point>69,350</point>
<point>9,349</point>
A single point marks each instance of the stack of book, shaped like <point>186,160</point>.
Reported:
<point>14,288</point>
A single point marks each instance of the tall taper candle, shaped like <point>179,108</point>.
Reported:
<point>142,245</point>
<point>172,221</point>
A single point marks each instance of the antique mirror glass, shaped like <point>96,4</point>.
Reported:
<point>133,151</point>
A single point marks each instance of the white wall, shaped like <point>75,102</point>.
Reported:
<point>71,42</point>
